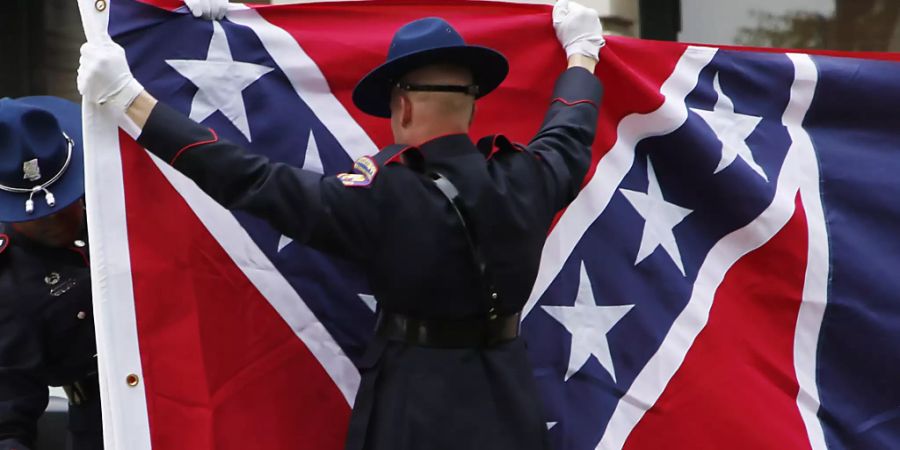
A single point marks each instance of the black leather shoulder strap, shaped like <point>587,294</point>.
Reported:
<point>450,191</point>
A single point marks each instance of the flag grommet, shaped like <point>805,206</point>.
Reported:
<point>100,5</point>
<point>132,380</point>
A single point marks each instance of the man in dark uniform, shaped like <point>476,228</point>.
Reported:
<point>450,231</point>
<point>46,318</point>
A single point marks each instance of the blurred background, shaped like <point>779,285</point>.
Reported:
<point>39,39</point>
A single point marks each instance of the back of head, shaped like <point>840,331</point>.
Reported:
<point>417,116</point>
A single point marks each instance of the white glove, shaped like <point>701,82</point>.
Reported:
<point>578,29</point>
<point>208,9</point>
<point>104,76</point>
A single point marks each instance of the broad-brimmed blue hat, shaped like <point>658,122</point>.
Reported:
<point>41,157</point>
<point>420,43</point>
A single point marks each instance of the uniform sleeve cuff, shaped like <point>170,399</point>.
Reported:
<point>576,86</point>
<point>168,133</point>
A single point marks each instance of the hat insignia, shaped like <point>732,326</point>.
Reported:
<point>32,170</point>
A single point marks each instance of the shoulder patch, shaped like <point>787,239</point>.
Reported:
<point>364,171</point>
<point>4,242</point>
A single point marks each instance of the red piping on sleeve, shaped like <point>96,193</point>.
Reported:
<point>214,139</point>
<point>564,102</point>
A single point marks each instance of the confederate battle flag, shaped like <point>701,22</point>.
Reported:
<point>725,280</point>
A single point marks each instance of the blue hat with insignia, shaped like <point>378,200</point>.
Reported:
<point>420,43</point>
<point>41,159</point>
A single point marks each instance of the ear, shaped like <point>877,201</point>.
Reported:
<point>472,115</point>
<point>406,111</point>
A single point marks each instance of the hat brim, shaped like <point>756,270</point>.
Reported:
<point>70,187</point>
<point>372,94</point>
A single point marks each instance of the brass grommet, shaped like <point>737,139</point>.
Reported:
<point>132,380</point>
<point>100,5</point>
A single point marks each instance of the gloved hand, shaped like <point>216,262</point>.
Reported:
<point>104,76</point>
<point>208,9</point>
<point>578,29</point>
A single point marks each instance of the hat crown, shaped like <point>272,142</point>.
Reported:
<point>32,146</point>
<point>420,43</point>
<point>423,34</point>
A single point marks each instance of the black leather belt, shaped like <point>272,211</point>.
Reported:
<point>462,333</point>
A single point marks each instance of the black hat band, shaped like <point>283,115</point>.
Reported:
<point>471,89</point>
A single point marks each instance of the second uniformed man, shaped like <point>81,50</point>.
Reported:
<point>451,231</point>
<point>46,317</point>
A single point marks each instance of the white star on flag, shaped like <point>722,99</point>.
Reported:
<point>732,129</point>
<point>369,300</point>
<point>283,242</point>
<point>220,81</point>
<point>312,160</point>
<point>588,324</point>
<point>660,218</point>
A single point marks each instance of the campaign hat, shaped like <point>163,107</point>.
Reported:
<point>41,157</point>
<point>420,43</point>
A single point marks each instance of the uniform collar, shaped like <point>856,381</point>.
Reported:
<point>447,146</point>
<point>22,241</point>
<point>438,148</point>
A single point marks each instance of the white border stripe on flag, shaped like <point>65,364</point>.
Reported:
<point>125,422</point>
<point>815,287</point>
<point>612,168</point>
<point>235,240</point>
<point>307,80</point>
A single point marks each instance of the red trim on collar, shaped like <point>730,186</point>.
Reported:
<point>495,148</point>
<point>81,252</point>
<point>577,102</point>
<point>396,157</point>
<point>214,139</point>
<point>4,242</point>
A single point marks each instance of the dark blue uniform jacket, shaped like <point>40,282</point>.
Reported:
<point>46,338</point>
<point>389,216</point>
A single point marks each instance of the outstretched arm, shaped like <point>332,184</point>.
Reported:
<point>563,143</point>
<point>304,205</point>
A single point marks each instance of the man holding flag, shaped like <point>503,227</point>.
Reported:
<point>450,231</point>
